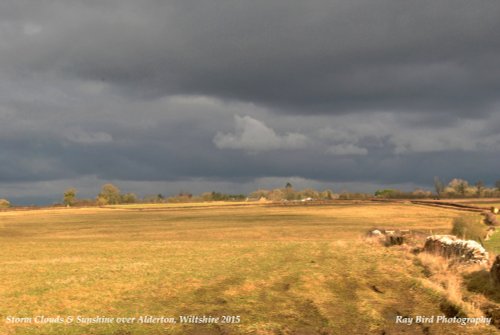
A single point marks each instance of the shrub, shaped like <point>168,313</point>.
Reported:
<point>128,198</point>
<point>386,193</point>
<point>109,195</point>
<point>69,198</point>
<point>469,228</point>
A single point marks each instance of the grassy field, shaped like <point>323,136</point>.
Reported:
<point>281,269</point>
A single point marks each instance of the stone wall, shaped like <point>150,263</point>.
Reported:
<point>450,246</point>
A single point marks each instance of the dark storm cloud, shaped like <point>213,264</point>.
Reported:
<point>243,93</point>
<point>302,57</point>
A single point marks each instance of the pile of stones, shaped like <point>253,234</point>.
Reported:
<point>450,246</point>
<point>390,237</point>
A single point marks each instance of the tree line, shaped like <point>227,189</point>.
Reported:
<point>111,195</point>
<point>461,188</point>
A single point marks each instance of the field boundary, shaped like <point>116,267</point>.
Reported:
<point>451,205</point>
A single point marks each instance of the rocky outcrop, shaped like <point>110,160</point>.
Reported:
<point>450,246</point>
<point>390,237</point>
<point>393,237</point>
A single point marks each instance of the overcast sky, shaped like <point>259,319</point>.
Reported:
<point>232,95</point>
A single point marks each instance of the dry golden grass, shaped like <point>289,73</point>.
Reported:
<point>446,277</point>
<point>283,269</point>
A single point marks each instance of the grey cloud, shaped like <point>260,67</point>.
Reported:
<point>78,135</point>
<point>302,57</point>
<point>394,132</point>
<point>253,135</point>
<point>346,149</point>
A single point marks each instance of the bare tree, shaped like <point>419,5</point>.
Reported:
<point>497,185</point>
<point>480,188</point>
<point>439,186</point>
